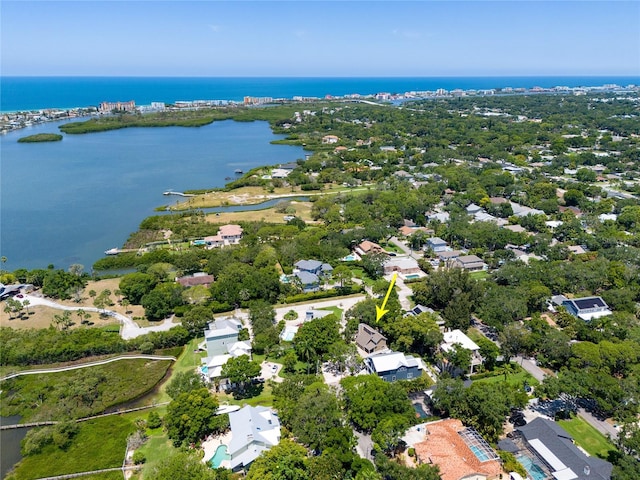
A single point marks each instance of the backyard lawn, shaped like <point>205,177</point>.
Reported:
<point>588,437</point>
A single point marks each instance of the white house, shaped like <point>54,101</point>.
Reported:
<point>253,431</point>
<point>458,338</point>
<point>221,338</point>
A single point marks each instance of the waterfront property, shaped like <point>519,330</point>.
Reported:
<point>227,235</point>
<point>253,430</point>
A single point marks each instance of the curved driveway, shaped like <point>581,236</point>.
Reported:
<point>129,328</point>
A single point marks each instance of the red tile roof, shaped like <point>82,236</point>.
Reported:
<point>446,449</point>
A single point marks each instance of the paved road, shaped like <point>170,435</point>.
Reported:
<point>364,446</point>
<point>531,367</point>
<point>129,328</point>
<point>407,251</point>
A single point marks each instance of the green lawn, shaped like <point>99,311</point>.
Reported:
<point>588,437</point>
<point>479,275</point>
<point>517,377</point>
<point>336,311</point>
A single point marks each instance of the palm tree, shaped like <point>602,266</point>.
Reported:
<point>26,304</point>
<point>306,351</point>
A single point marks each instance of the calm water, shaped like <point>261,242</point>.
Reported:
<point>10,444</point>
<point>67,202</point>
<point>32,93</point>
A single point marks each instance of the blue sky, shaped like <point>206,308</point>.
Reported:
<point>328,38</point>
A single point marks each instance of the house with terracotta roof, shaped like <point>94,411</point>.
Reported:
<point>367,247</point>
<point>328,139</point>
<point>227,235</point>
<point>198,278</point>
<point>459,452</point>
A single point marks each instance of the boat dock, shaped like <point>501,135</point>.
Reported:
<point>116,251</point>
<point>179,194</point>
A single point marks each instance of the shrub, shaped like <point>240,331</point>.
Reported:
<point>154,420</point>
<point>138,457</point>
<point>411,452</point>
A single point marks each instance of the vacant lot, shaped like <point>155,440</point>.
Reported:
<point>42,317</point>
<point>303,211</point>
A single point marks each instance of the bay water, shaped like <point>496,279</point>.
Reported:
<point>67,202</point>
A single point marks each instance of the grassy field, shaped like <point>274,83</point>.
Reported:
<point>303,211</point>
<point>80,393</point>
<point>252,196</point>
<point>588,437</point>
<point>41,316</point>
<point>99,444</point>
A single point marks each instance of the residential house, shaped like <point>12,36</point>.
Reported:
<point>472,209</point>
<point>198,278</point>
<point>227,235</point>
<point>402,265</point>
<point>310,273</point>
<point>456,338</point>
<point>522,211</point>
<point>448,256</point>
<point>549,451</point>
<point>221,339</point>
<point>367,247</point>
<point>329,139</point>
<point>459,452</point>
<point>253,431</point>
<point>515,228</point>
<point>369,339</point>
<point>392,366</point>
<point>436,244</point>
<point>587,308</point>
<point>470,263</point>
<point>407,231</point>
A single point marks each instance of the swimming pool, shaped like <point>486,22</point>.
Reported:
<point>480,455</point>
<point>199,242</point>
<point>349,258</point>
<point>204,369</point>
<point>412,276</point>
<point>220,456</point>
<point>532,468</point>
<point>419,410</point>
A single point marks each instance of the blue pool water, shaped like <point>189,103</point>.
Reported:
<point>412,276</point>
<point>482,456</point>
<point>419,410</point>
<point>218,457</point>
<point>199,242</point>
<point>532,469</point>
<point>204,369</point>
<point>349,258</point>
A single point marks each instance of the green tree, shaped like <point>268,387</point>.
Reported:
<point>196,320</point>
<point>317,413</point>
<point>185,466</point>
<point>134,286</point>
<point>184,382</point>
<point>191,416</point>
<point>240,370</point>
<point>285,461</point>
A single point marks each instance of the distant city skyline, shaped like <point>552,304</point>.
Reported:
<point>319,38</point>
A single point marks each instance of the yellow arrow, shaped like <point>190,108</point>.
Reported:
<point>380,311</point>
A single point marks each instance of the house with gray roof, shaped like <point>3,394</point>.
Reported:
<point>253,431</point>
<point>587,308</point>
<point>310,273</point>
<point>221,339</point>
<point>392,366</point>
<point>551,452</point>
<point>471,263</point>
<point>369,339</point>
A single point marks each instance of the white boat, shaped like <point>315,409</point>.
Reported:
<point>112,251</point>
